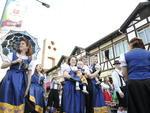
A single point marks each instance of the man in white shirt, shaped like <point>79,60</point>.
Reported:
<point>118,81</point>
<point>53,97</point>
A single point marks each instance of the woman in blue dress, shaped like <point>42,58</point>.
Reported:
<point>71,97</point>
<point>15,84</point>
<point>95,99</point>
<point>36,91</point>
<point>136,68</point>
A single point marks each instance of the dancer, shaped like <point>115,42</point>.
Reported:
<point>14,86</point>
<point>36,93</point>
<point>136,68</point>
<point>120,87</point>
<point>95,99</point>
<point>71,101</point>
<point>53,97</point>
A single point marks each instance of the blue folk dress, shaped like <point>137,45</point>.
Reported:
<point>13,86</point>
<point>36,92</point>
<point>97,98</point>
<point>71,98</point>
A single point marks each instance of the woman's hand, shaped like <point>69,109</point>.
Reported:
<point>121,94</point>
<point>66,75</point>
<point>19,60</point>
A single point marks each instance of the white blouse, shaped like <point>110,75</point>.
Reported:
<point>31,65</point>
<point>116,80</point>
<point>65,67</point>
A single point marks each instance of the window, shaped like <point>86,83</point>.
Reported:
<point>111,53</point>
<point>130,29</point>
<point>125,44</point>
<point>131,35</point>
<point>149,18</point>
<point>145,35</point>
<point>120,48</point>
<point>106,53</point>
<point>102,56</point>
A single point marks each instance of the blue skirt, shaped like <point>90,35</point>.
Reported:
<point>72,101</point>
<point>82,103</point>
<point>97,95</point>
<point>68,97</point>
<point>36,95</point>
<point>79,102</point>
<point>12,91</point>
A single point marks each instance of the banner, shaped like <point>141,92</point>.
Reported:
<point>13,15</point>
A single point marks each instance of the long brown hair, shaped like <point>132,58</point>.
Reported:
<point>29,52</point>
<point>68,62</point>
<point>36,72</point>
<point>136,43</point>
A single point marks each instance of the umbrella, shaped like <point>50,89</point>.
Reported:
<point>10,43</point>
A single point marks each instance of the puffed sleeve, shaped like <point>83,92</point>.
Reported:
<point>10,57</point>
<point>123,60</point>
<point>65,67</point>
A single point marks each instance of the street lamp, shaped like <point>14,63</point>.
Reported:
<point>44,4</point>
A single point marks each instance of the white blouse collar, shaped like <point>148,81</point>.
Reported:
<point>22,57</point>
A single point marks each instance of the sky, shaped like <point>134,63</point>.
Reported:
<point>71,23</point>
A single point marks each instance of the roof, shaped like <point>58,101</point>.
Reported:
<point>123,27</point>
<point>53,68</point>
<point>133,15</point>
<point>76,48</point>
<point>63,57</point>
<point>107,38</point>
<point>103,40</point>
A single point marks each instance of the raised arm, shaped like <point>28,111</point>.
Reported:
<point>9,61</point>
<point>6,64</point>
<point>58,77</point>
<point>93,75</point>
<point>98,69</point>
